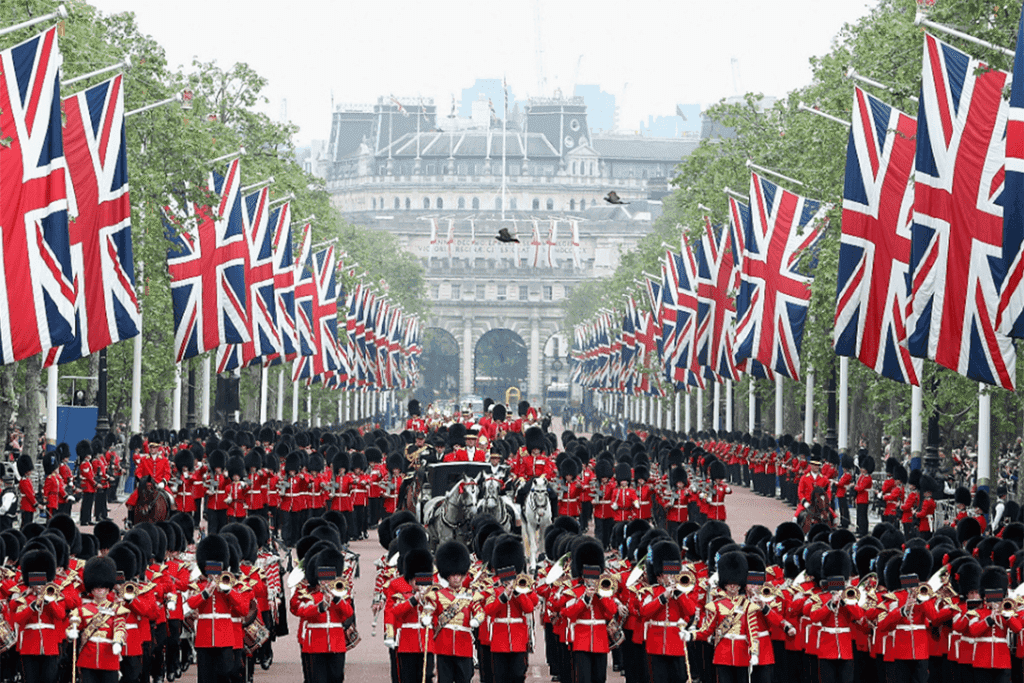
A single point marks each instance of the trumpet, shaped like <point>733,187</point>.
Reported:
<point>130,590</point>
<point>1008,607</point>
<point>925,591</point>
<point>523,583</point>
<point>607,585</point>
<point>851,594</point>
<point>686,582</point>
<point>226,581</point>
<point>768,592</point>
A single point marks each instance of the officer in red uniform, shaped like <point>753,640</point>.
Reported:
<point>88,481</point>
<point>604,486</point>
<point>452,613</point>
<point>842,486</point>
<point>216,491</point>
<point>676,500</point>
<point>324,610</point>
<point>588,613</point>
<point>53,486</point>
<point>644,492</point>
<point>404,613</point>
<point>537,462</point>
<point>508,607</point>
<point>911,502</point>
<point>666,611</point>
<point>28,503</point>
<point>217,605</point>
<point>624,503</point>
<point>99,624</point>
<point>415,423</point>
<point>719,490</point>
<point>925,514</point>
<point>862,489</point>
<point>37,613</point>
<point>569,492</point>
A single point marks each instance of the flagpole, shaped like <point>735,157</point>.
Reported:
<point>204,382</point>
<point>916,440</point>
<point>136,417</point>
<point>728,405</point>
<point>809,407</point>
<point>279,416</point>
<point>687,422</point>
<point>716,415</point>
<point>504,128</point>
<point>51,406</point>
<point>751,400</point>
<point>677,416</point>
<point>778,405</point>
<point>843,444</point>
<point>920,20</point>
<point>60,13</point>
<point>984,437</point>
<point>263,393</point>
<point>296,388</point>
<point>700,409</point>
<point>176,399</point>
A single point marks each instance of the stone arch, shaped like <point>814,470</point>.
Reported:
<point>500,362</point>
<point>439,363</point>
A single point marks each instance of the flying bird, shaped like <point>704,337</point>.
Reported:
<point>613,198</point>
<point>503,236</point>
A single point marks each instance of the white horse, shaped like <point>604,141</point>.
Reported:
<point>537,515</point>
<point>492,502</point>
<point>448,517</point>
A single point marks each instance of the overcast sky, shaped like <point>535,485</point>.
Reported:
<point>650,55</point>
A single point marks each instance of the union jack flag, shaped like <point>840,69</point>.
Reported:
<point>956,242</point>
<point>716,279</point>
<point>1010,318</point>
<point>101,234</point>
<point>265,338</point>
<point>284,279</point>
<point>874,250</point>
<point>681,357</point>
<point>739,224</point>
<point>304,296</point>
<point>774,294</point>
<point>627,352</point>
<point>37,282</point>
<point>324,308</point>
<point>206,263</point>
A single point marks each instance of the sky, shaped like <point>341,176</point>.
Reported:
<point>650,55</point>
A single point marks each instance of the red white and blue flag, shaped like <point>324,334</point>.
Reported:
<point>716,279</point>
<point>101,232</point>
<point>739,225</point>
<point>37,282</point>
<point>774,294</point>
<point>872,288</point>
<point>284,280</point>
<point>1010,318</point>
<point>681,356</point>
<point>956,257</point>
<point>206,263</point>
<point>261,309</point>
<point>325,313</point>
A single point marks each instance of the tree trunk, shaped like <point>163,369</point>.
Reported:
<point>8,397</point>
<point>30,416</point>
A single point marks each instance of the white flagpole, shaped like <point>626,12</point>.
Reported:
<point>984,436</point>
<point>51,407</point>
<point>728,405</point>
<point>279,416</point>
<point>916,440</point>
<point>309,409</point>
<point>687,422</point>
<point>844,404</point>
<point>176,399</point>
<point>678,417</point>
<point>716,417</point>
<point>750,405</point>
<point>700,409</point>
<point>204,386</point>
<point>809,407</point>
<point>136,417</point>
<point>263,393</point>
<point>296,388</point>
<point>778,405</point>
<point>339,409</point>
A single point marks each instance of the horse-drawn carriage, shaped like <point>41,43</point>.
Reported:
<point>446,496</point>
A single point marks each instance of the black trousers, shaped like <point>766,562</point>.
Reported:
<point>586,514</point>
<point>131,669</point>
<point>85,518</point>
<point>731,674</point>
<point>326,667</point>
<point>361,528</point>
<point>214,664</point>
<point>666,668</point>
<point>862,519</point>
<point>38,668</point>
<point>97,676</point>
<point>589,667</point>
<point>99,503</point>
<point>991,675</point>
<point>509,667</point>
<point>26,517</point>
<point>454,669</point>
<point>844,513</point>
<point>172,648</point>
<point>835,670</point>
<point>376,510</point>
<point>908,671</point>
<point>216,520</point>
<point>634,660</point>
<point>410,667</point>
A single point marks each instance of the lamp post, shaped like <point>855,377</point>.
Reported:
<point>102,419</point>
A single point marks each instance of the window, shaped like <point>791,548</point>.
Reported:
<point>375,203</point>
<point>524,293</point>
<point>583,204</point>
<point>381,203</point>
<point>408,204</point>
<point>536,205</point>
<point>476,202</point>
<point>462,202</point>
<point>512,203</point>
<point>574,168</point>
<point>426,202</point>
<point>435,292</point>
<point>548,293</point>
<point>551,205</point>
<point>481,292</point>
<point>497,203</point>
<point>502,292</point>
<point>572,204</point>
<point>456,292</point>
<point>431,169</point>
<point>439,203</point>
<point>398,203</point>
<point>568,291</point>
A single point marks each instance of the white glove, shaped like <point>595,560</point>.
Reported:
<point>390,643</point>
<point>806,504</point>
<point>73,634</point>
<point>425,620</point>
<point>474,623</point>
<point>924,598</point>
<point>160,486</point>
<point>223,587</point>
<point>614,506</point>
<point>686,635</point>
<point>49,598</point>
<point>117,649</point>
<point>753,661</point>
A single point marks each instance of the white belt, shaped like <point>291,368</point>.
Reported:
<point>327,625</point>
<point>765,634</point>
<point>215,616</point>
<point>514,620</point>
<point>911,627</point>
<point>37,627</point>
<point>98,639</point>
<point>735,636</point>
<point>715,504</point>
<point>464,629</point>
<point>130,626</point>
<point>416,625</point>
<point>680,623</point>
<point>990,639</point>
<point>590,622</point>
<point>842,629</point>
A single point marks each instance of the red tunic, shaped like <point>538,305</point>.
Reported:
<point>323,628</point>
<point>509,631</point>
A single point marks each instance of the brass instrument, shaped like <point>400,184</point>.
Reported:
<point>851,594</point>
<point>769,591</point>
<point>925,591</point>
<point>1008,607</point>
<point>686,582</point>
<point>607,585</point>
<point>226,581</point>
<point>130,590</point>
<point>523,583</point>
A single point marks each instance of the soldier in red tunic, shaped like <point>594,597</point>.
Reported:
<point>404,612</point>
<point>28,503</point>
<point>569,491</point>
<point>100,624</point>
<point>451,614</point>
<point>588,613</point>
<point>666,610</point>
<point>37,612</point>
<point>862,489</point>
<point>88,481</point>
<point>508,606</point>
<point>324,610</point>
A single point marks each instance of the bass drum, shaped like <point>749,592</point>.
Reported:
<point>9,502</point>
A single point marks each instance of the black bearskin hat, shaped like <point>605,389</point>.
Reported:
<point>508,552</point>
<point>246,539</point>
<point>623,472</point>
<point>899,473</point>
<point>99,572</point>
<point>732,569</point>
<point>499,412</point>
<point>917,561</point>
<point>981,500</point>
<point>410,537</point>
<point>962,496</point>
<point>451,557</point>
<point>603,469</point>
<point>293,463</point>
<point>535,439</point>
<point>567,523</point>
<point>184,460</point>
<point>417,561</point>
<point>213,548</point>
<point>329,557</point>
<point>568,468</point>
<point>24,465</point>
<point>524,406</point>
<point>659,554</point>
<point>67,527</point>
<point>836,563</point>
<point>38,562</point>
<point>236,466</point>
<point>994,579</point>
<point>218,460</point>
<point>677,476</point>
<point>966,529</point>
<point>588,552</point>
<point>83,449</point>
<point>186,525</point>
<point>396,462</point>
<point>867,463</point>
<point>967,577</point>
<point>716,470</point>
<point>126,559</point>
<point>107,533</point>
<point>254,459</point>
<point>414,408</point>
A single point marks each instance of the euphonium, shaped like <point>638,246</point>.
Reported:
<point>523,583</point>
<point>607,585</point>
